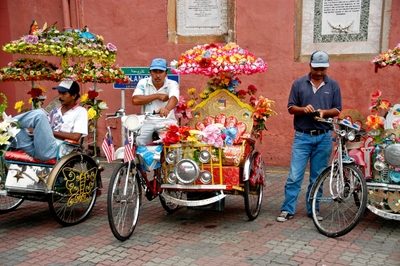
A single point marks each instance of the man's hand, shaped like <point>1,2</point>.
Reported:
<point>163,112</point>
<point>309,109</point>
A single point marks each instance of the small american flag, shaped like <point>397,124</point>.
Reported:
<point>108,147</point>
<point>129,155</point>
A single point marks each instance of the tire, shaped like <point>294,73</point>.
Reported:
<point>340,214</point>
<point>74,186</point>
<point>8,203</point>
<point>123,208</point>
<point>253,191</point>
<point>169,206</point>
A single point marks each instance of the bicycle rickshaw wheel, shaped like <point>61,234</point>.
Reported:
<point>8,203</point>
<point>170,207</point>
<point>253,192</point>
<point>123,207</point>
<point>74,187</point>
<point>341,214</point>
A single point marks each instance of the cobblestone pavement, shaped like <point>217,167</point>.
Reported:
<point>30,236</point>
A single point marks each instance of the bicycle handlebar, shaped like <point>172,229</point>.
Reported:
<point>339,121</point>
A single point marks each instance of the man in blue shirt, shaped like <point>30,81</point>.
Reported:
<point>315,92</point>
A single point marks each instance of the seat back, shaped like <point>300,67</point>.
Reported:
<point>224,108</point>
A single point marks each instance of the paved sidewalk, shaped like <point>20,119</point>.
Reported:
<point>30,236</point>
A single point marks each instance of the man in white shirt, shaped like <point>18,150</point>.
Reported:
<point>156,94</point>
<point>69,121</point>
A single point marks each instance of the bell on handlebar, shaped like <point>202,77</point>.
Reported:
<point>133,122</point>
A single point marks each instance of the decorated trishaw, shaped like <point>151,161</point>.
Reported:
<point>371,146</point>
<point>71,181</point>
<point>211,153</point>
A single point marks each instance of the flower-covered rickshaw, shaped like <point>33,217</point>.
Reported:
<point>215,154</point>
<point>201,161</point>
<point>379,153</point>
<point>71,182</point>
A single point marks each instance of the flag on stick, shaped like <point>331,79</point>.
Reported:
<point>108,147</point>
<point>128,153</point>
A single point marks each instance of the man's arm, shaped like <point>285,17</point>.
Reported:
<point>66,135</point>
<point>145,99</point>
<point>172,102</point>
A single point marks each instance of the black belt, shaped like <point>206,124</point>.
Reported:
<point>314,132</point>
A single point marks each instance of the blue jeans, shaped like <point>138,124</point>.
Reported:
<point>44,145</point>
<point>318,150</point>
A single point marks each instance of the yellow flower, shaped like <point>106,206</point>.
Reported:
<point>4,139</point>
<point>203,96</point>
<point>84,97</point>
<point>91,113</point>
<point>30,101</point>
<point>18,106</point>
<point>191,91</point>
<point>192,139</point>
<point>191,103</point>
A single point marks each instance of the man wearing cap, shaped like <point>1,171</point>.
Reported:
<point>156,94</point>
<point>68,121</point>
<point>315,92</point>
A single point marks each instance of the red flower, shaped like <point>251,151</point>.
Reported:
<point>241,94</point>
<point>251,89</point>
<point>205,62</point>
<point>93,94</point>
<point>35,92</point>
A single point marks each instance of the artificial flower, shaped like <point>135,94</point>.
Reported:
<point>182,109</point>
<point>91,113</point>
<point>94,105</point>
<point>212,135</point>
<point>30,69</point>
<point>171,135</point>
<point>388,58</point>
<point>19,106</point>
<point>4,104</point>
<point>96,70</point>
<point>8,130</point>
<point>69,43</point>
<point>374,122</point>
<point>210,59</point>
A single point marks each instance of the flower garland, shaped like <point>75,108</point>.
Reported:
<point>30,69</point>
<point>96,70</point>
<point>70,43</point>
<point>89,70</point>
<point>210,59</point>
<point>388,58</point>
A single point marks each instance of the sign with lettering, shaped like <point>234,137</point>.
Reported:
<point>136,74</point>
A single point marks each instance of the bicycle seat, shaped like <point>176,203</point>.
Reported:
<point>21,156</point>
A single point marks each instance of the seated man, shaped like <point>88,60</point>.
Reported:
<point>69,121</point>
<point>156,94</point>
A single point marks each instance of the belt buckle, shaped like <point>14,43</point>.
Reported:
<point>314,132</point>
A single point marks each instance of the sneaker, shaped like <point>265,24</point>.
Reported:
<point>284,216</point>
<point>319,217</point>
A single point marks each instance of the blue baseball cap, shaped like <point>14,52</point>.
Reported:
<point>158,63</point>
<point>319,59</point>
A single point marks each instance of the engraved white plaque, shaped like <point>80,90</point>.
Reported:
<point>340,16</point>
<point>202,17</point>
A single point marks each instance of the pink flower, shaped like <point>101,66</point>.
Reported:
<point>111,47</point>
